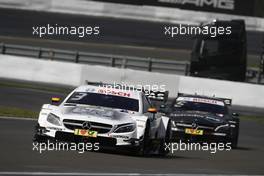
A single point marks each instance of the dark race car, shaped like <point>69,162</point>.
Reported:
<point>203,119</point>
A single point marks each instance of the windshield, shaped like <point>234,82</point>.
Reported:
<point>216,47</point>
<point>197,106</point>
<point>104,100</point>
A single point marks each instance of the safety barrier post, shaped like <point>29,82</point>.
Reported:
<point>124,63</point>
<point>77,55</point>
<point>112,62</point>
<point>3,50</point>
<point>51,54</point>
<point>150,65</point>
<point>39,53</point>
<point>187,69</point>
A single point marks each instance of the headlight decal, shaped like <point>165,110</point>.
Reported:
<point>53,119</point>
<point>221,126</point>
<point>124,128</point>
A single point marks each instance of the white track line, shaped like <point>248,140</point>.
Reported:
<point>17,118</point>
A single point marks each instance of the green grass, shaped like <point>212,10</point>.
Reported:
<point>259,119</point>
<point>17,112</point>
<point>36,86</point>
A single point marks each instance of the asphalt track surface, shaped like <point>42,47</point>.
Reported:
<point>18,157</point>
<point>117,36</point>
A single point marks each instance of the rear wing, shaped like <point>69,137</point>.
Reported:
<point>227,101</point>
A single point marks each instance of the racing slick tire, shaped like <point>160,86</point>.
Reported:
<point>144,148</point>
<point>234,142</point>
<point>234,138</point>
<point>162,150</point>
<point>37,137</point>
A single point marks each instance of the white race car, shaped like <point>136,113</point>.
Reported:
<point>112,117</point>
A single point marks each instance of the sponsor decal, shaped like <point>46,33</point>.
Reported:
<point>187,115</point>
<point>114,92</point>
<point>193,131</point>
<point>53,128</point>
<point>86,133</point>
<point>90,90</point>
<point>201,100</point>
<point>119,136</point>
<point>217,4</point>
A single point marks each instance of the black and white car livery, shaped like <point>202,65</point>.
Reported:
<point>203,119</point>
<point>112,117</point>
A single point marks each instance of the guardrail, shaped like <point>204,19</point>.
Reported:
<point>137,63</point>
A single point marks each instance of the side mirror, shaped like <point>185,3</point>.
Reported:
<point>152,110</point>
<point>235,114</point>
<point>55,100</point>
<point>163,108</point>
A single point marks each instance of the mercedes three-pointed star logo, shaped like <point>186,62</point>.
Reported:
<point>194,125</point>
<point>86,125</point>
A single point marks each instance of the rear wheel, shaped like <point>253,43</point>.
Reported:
<point>163,150</point>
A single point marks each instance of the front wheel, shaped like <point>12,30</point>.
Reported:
<point>234,143</point>
<point>234,138</point>
<point>144,148</point>
<point>37,137</point>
